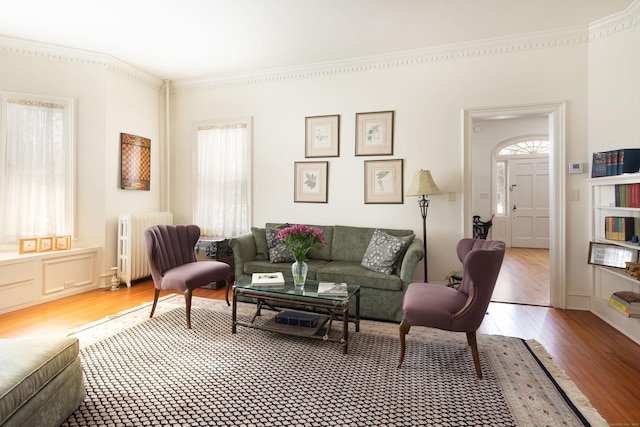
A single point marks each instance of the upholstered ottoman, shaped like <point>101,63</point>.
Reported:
<point>41,381</point>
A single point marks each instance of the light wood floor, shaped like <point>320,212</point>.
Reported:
<point>524,277</point>
<point>604,364</point>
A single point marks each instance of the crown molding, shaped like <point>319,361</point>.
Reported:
<point>487,47</point>
<point>615,23</point>
<point>62,54</point>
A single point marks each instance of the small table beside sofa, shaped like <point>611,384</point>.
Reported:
<point>341,260</point>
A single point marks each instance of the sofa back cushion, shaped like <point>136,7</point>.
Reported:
<point>323,253</point>
<point>351,243</point>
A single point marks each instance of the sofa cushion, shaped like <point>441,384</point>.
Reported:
<point>351,243</point>
<point>259,266</point>
<point>278,252</point>
<point>382,252</point>
<point>260,237</point>
<point>355,274</point>
<point>28,365</point>
<point>324,252</point>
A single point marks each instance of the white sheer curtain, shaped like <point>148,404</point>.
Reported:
<point>222,194</point>
<point>33,185</point>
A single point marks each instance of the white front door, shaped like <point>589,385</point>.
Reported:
<point>529,202</point>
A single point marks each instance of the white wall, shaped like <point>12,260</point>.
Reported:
<point>428,98</point>
<point>109,99</point>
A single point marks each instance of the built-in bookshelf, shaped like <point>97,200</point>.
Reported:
<point>605,201</point>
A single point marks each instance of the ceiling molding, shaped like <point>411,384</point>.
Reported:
<point>615,23</point>
<point>62,54</point>
<point>495,46</point>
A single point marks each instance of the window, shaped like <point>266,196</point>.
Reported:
<point>222,178</point>
<point>36,167</point>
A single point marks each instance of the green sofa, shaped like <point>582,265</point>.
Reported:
<point>339,261</point>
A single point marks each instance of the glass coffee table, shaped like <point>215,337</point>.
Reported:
<point>304,300</point>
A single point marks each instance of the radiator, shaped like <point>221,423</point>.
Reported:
<point>132,254</point>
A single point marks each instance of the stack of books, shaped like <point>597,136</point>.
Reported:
<point>626,302</point>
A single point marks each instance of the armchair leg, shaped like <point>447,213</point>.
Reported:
<point>187,300</point>
<point>155,302</point>
<point>471,339</point>
<point>226,290</point>
<point>404,330</point>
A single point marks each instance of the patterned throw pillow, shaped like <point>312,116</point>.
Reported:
<point>382,253</point>
<point>277,251</point>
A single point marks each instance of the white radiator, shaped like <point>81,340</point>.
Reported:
<point>132,254</point>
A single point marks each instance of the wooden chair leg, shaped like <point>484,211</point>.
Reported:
<point>226,290</point>
<point>187,300</point>
<point>471,339</point>
<point>155,302</point>
<point>404,330</point>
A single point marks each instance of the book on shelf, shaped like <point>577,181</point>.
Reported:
<point>615,162</point>
<point>626,302</point>
<point>332,289</point>
<point>619,227</point>
<point>599,165</point>
<point>627,195</point>
<point>267,279</point>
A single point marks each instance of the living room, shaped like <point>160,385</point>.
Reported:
<point>588,72</point>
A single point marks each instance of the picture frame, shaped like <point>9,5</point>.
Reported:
<point>322,136</point>
<point>383,181</point>
<point>135,162</point>
<point>611,255</point>
<point>28,245</point>
<point>45,244</point>
<point>61,243</point>
<point>374,133</point>
<point>310,182</point>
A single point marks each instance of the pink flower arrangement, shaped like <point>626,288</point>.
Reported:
<point>300,238</point>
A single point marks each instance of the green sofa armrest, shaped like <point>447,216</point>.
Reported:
<point>414,253</point>
<point>244,250</point>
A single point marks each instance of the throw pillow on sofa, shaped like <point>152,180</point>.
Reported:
<point>277,251</point>
<point>382,252</point>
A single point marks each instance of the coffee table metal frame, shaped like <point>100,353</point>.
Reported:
<point>337,308</point>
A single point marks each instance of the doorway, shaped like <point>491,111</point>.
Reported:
<point>519,276</point>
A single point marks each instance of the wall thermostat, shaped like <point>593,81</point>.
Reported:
<point>575,168</point>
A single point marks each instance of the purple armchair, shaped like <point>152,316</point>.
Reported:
<point>172,259</point>
<point>462,309</point>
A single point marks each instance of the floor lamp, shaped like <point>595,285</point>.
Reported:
<point>423,186</point>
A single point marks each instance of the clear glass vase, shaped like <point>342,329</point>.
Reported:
<point>299,270</point>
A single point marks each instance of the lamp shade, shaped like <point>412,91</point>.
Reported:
<point>422,184</point>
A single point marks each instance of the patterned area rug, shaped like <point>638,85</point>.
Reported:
<point>155,372</point>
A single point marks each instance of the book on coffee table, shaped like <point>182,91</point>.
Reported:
<point>267,279</point>
<point>332,289</point>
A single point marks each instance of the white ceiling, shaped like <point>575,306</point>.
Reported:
<point>187,39</point>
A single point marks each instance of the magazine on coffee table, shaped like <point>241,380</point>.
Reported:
<point>332,289</point>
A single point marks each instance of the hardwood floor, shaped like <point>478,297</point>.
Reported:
<point>524,277</point>
<point>604,364</point>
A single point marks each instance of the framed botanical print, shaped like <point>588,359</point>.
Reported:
<point>374,134</point>
<point>28,245</point>
<point>45,244</point>
<point>322,136</point>
<point>383,181</point>
<point>310,182</point>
